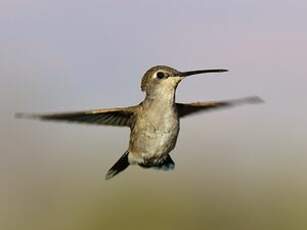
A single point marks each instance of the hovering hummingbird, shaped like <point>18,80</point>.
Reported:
<point>154,123</point>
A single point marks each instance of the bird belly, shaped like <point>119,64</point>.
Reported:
<point>159,143</point>
<point>153,141</point>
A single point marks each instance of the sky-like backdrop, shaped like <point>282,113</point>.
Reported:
<point>242,168</point>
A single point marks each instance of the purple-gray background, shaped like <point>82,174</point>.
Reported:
<point>243,168</point>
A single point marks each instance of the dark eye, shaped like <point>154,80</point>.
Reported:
<point>160,75</point>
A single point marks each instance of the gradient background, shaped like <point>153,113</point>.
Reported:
<point>243,168</point>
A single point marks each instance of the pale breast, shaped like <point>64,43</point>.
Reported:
<point>154,133</point>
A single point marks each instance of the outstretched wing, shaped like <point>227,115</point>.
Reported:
<point>191,108</point>
<point>113,117</point>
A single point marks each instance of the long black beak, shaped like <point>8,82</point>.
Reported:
<point>189,73</point>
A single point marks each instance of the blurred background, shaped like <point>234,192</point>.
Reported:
<point>242,168</point>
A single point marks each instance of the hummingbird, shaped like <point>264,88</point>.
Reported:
<point>154,123</point>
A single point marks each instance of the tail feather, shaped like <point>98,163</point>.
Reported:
<point>119,166</point>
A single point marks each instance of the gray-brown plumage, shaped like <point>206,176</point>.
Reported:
<point>154,123</point>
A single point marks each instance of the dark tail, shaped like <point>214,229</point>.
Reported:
<point>119,166</point>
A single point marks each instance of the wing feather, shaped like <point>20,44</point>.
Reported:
<point>113,117</point>
<point>191,108</point>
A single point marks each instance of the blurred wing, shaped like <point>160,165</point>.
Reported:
<point>113,117</point>
<point>191,108</point>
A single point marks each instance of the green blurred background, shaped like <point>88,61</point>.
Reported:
<point>243,168</point>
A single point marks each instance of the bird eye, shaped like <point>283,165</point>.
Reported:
<point>160,75</point>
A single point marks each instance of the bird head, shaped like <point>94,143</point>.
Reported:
<point>161,78</point>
